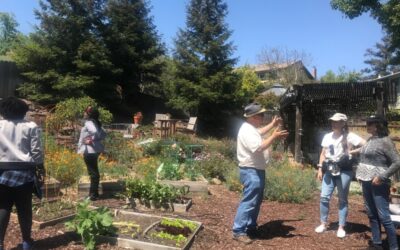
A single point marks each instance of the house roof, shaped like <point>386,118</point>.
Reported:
<point>259,68</point>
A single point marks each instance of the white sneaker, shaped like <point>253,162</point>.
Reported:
<point>320,229</point>
<point>341,233</point>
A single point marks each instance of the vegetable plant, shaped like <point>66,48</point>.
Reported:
<point>146,191</point>
<point>89,223</point>
<point>174,229</point>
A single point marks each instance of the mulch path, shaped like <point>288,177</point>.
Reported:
<point>283,226</point>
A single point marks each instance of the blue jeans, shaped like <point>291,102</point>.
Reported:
<point>376,198</point>
<point>253,181</point>
<point>329,182</point>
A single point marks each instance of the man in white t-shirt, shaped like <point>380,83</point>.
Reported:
<point>251,149</point>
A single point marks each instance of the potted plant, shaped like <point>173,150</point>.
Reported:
<point>137,118</point>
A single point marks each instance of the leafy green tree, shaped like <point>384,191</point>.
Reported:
<point>205,82</point>
<point>381,59</point>
<point>70,113</point>
<point>343,75</point>
<point>385,12</point>
<point>329,76</point>
<point>269,101</point>
<point>8,32</point>
<point>250,84</point>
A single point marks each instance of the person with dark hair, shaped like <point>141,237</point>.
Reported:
<point>379,159</point>
<point>335,147</point>
<point>90,146</point>
<point>252,154</point>
<point>21,154</point>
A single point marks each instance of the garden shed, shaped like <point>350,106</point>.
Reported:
<point>306,109</point>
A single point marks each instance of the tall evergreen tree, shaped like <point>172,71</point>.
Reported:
<point>66,55</point>
<point>134,44</point>
<point>381,59</point>
<point>100,48</point>
<point>8,32</point>
<point>206,84</point>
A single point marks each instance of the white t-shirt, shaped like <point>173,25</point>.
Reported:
<point>248,141</point>
<point>328,140</point>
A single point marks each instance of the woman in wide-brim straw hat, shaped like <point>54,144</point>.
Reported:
<point>335,146</point>
<point>379,159</point>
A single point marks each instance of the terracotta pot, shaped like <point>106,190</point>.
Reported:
<point>137,118</point>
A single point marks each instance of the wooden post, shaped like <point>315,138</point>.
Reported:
<point>298,157</point>
<point>379,98</point>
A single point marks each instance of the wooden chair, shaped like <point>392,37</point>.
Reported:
<point>190,127</point>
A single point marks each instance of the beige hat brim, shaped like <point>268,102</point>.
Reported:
<point>263,110</point>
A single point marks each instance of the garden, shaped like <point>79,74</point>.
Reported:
<point>175,193</point>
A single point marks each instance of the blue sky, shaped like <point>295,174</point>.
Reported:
<point>303,25</point>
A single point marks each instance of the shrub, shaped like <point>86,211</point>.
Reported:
<point>62,163</point>
<point>112,168</point>
<point>225,147</point>
<point>170,170</point>
<point>152,148</point>
<point>233,180</point>
<point>70,111</point>
<point>215,165</point>
<point>121,150</point>
<point>288,183</point>
<point>146,168</point>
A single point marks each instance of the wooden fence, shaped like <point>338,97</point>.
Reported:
<point>9,78</point>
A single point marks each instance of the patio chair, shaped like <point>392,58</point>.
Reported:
<point>190,127</point>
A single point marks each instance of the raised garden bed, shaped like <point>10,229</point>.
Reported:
<point>143,196</point>
<point>144,231</point>
<point>51,188</point>
<point>181,175</point>
<point>199,185</point>
<point>106,187</point>
<point>180,205</point>
<point>49,213</point>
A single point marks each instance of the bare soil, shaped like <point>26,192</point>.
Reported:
<point>282,226</point>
